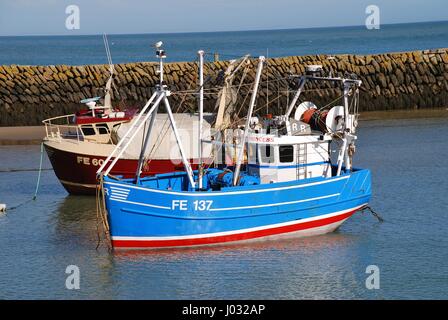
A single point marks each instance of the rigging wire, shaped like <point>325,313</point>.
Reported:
<point>37,183</point>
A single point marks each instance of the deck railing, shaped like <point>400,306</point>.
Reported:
<point>62,127</point>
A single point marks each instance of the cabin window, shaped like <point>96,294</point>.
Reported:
<point>88,130</point>
<point>267,153</point>
<point>102,128</point>
<point>286,153</point>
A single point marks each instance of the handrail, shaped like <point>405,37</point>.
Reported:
<point>49,120</point>
<point>58,130</point>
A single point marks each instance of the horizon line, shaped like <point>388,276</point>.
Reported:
<point>223,31</point>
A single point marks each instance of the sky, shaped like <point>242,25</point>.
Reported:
<point>48,17</point>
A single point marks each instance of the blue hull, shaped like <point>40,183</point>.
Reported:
<point>158,214</point>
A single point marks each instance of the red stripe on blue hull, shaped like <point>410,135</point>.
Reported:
<point>258,234</point>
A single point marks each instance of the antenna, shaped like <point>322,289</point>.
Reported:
<point>160,53</point>
<point>106,45</point>
<point>267,84</point>
<point>107,96</point>
<point>201,114</point>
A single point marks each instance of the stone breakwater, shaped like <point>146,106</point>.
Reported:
<point>408,80</point>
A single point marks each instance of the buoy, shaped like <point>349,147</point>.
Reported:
<point>2,207</point>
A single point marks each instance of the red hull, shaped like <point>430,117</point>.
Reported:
<point>77,172</point>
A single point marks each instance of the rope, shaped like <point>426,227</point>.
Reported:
<point>376,215</point>
<point>40,170</point>
<point>26,170</point>
<point>38,180</point>
<point>101,215</point>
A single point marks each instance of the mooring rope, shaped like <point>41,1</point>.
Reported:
<point>101,215</point>
<point>40,170</point>
<point>375,214</point>
<point>38,180</point>
<point>25,170</point>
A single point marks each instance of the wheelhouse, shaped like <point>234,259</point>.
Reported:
<point>286,158</point>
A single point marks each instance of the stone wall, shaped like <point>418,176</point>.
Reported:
<point>410,80</point>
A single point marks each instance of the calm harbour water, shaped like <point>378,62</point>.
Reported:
<point>78,50</point>
<point>408,163</point>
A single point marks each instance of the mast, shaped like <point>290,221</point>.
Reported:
<point>166,93</point>
<point>160,95</point>
<point>346,111</point>
<point>343,156</point>
<point>161,55</point>
<point>107,97</point>
<point>261,60</point>
<point>201,115</point>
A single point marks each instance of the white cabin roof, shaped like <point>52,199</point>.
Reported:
<point>163,142</point>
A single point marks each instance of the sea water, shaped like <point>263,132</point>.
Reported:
<point>407,158</point>
<point>79,50</point>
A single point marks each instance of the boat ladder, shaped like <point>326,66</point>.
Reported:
<point>301,161</point>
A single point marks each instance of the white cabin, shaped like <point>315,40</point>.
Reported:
<point>286,158</point>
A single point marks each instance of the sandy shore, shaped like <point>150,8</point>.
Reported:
<point>21,135</point>
<point>34,135</point>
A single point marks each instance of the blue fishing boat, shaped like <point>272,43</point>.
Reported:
<point>284,183</point>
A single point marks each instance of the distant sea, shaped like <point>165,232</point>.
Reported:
<point>80,50</point>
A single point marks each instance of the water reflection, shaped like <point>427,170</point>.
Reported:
<point>310,244</point>
<point>277,269</point>
<point>76,220</point>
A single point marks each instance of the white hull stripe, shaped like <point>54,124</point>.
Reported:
<point>120,189</point>
<point>122,195</point>
<point>120,192</point>
<point>218,193</point>
<point>91,186</point>
<point>276,204</point>
<point>217,234</point>
<point>123,199</point>
<point>117,198</point>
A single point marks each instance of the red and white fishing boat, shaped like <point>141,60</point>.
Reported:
<point>77,144</point>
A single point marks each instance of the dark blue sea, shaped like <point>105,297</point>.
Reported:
<point>79,50</point>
